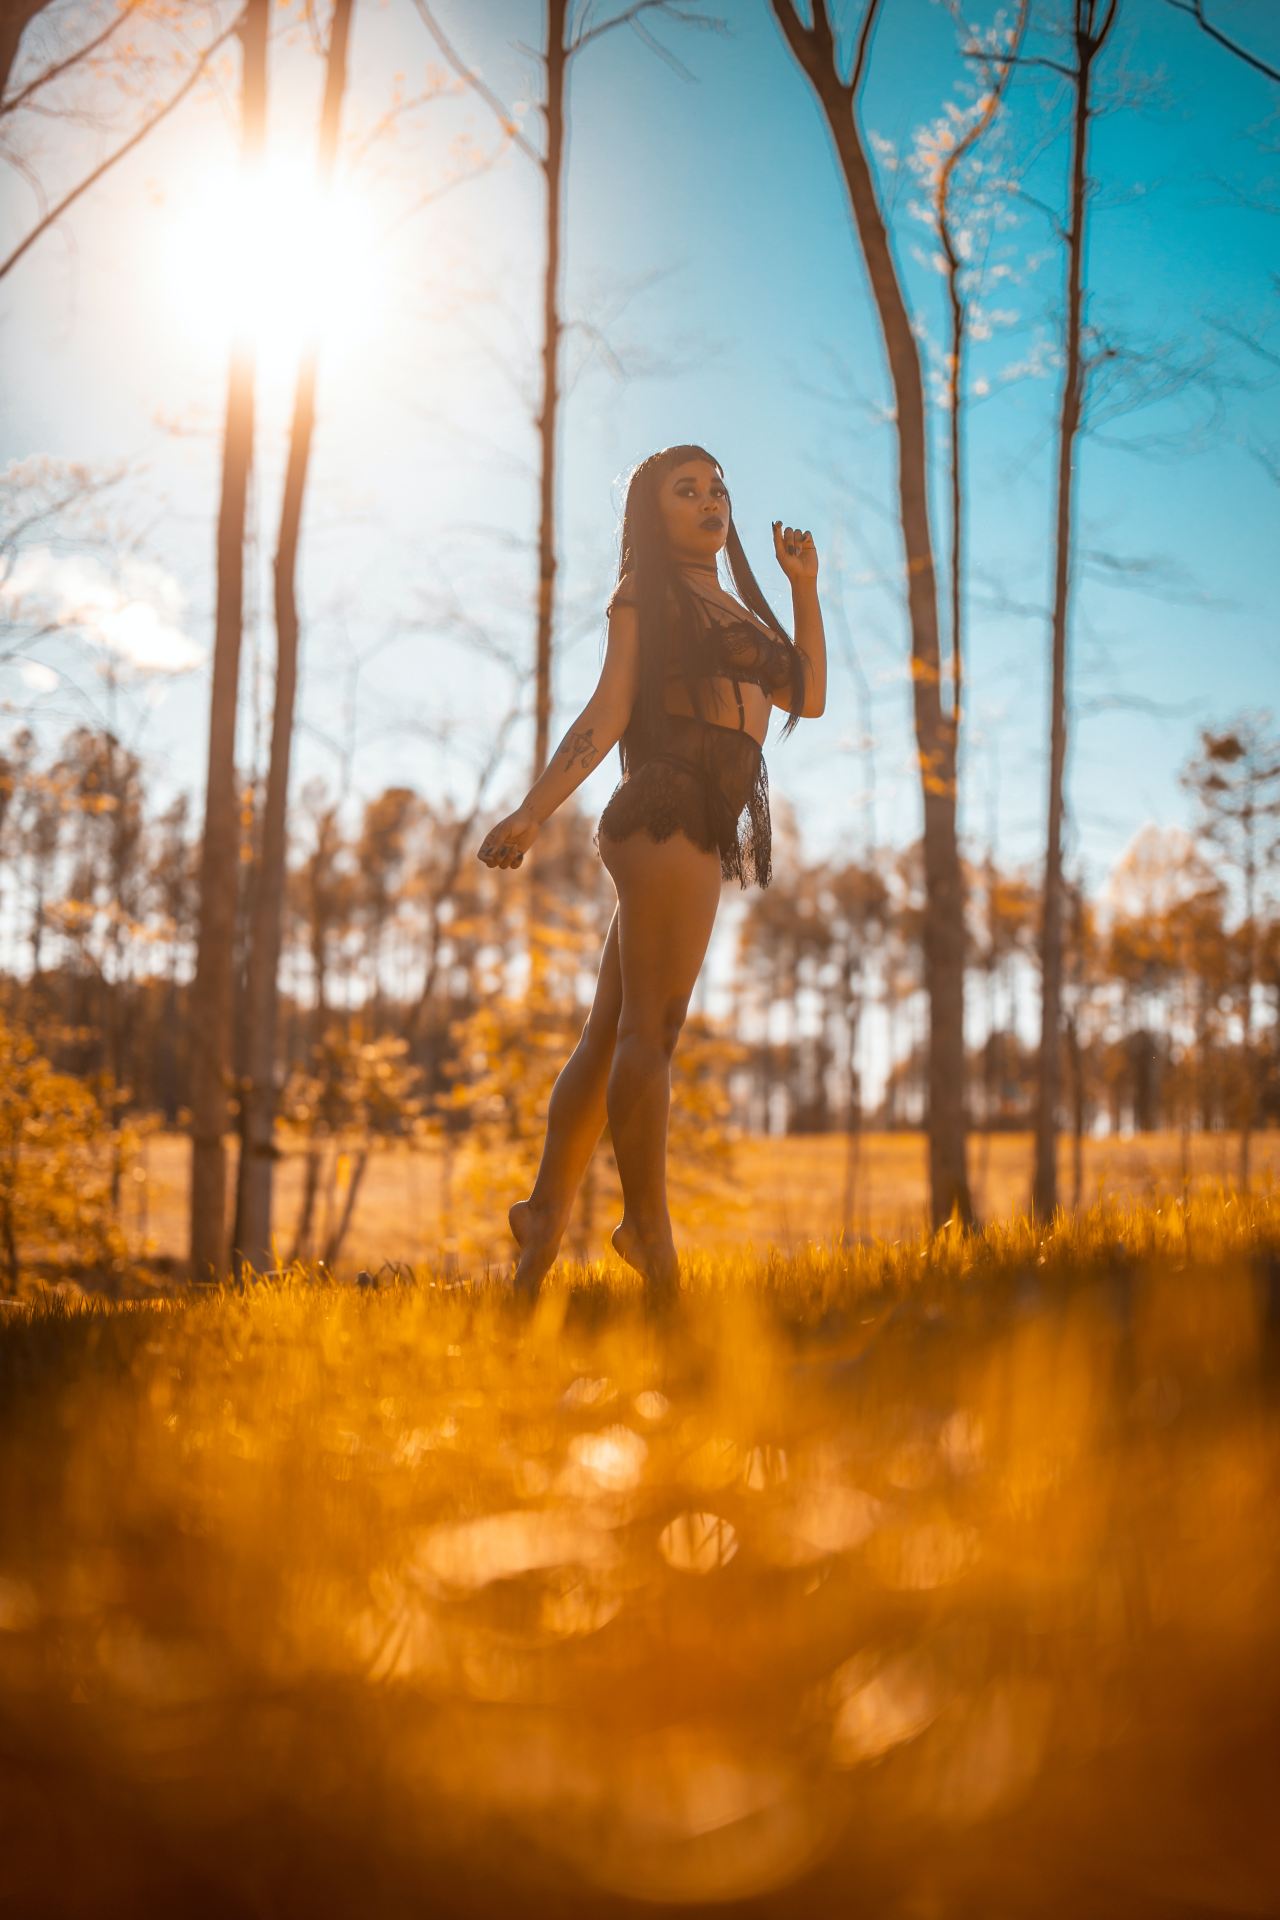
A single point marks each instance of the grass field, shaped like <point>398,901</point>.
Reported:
<point>782,1193</point>
<point>918,1580</point>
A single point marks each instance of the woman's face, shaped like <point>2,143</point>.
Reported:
<point>694,503</point>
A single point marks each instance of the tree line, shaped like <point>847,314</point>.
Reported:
<point>1171,969</point>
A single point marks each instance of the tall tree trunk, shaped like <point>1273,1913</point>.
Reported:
<point>219,850</point>
<point>8,1204</point>
<point>958,316</point>
<point>1076,1055</point>
<point>333,1246</point>
<point>1248,1066</point>
<point>252,1238</point>
<point>553,166</point>
<point>853,1102</point>
<point>815,50</point>
<point>556,62</point>
<point>1186,1102</point>
<point>310,1189</point>
<point>113,1011</point>
<point>990,1051</point>
<point>1044,1196</point>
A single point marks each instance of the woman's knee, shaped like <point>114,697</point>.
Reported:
<point>599,1035</point>
<point>657,1023</point>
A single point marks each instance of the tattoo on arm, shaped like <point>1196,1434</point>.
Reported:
<point>579,745</point>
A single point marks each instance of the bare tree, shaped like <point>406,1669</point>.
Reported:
<point>252,1236</point>
<point>211,994</point>
<point>1236,779</point>
<point>816,52</point>
<point>859,900</point>
<point>1091,23</point>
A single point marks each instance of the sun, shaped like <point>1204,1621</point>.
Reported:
<point>264,254</point>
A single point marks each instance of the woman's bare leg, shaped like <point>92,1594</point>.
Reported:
<point>668,894</point>
<point>575,1120</point>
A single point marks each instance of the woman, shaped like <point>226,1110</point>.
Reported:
<point>689,678</point>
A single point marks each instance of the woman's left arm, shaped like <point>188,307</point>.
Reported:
<point>798,558</point>
<point>812,642</point>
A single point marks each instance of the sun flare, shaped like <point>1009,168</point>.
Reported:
<point>265,252</point>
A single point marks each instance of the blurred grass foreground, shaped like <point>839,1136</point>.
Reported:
<point>921,1580</point>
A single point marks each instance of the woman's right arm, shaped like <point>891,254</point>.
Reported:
<point>602,721</point>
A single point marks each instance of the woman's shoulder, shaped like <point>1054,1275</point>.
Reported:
<point>624,593</point>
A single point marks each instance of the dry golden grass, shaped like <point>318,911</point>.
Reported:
<point>785,1193</point>
<point>938,1578</point>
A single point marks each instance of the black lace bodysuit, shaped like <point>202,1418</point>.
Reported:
<point>707,780</point>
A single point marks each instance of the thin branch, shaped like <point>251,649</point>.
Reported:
<point>995,92</point>
<point>598,339</point>
<point>864,42</point>
<point>19,649</point>
<point>1238,196</point>
<point>32,178</point>
<point>1051,214</point>
<point>60,67</point>
<point>1139,703</point>
<point>631,14</point>
<point>436,193</point>
<point>1196,9</point>
<point>1020,60</point>
<point>1268,461</point>
<point>68,200</point>
<point>663,53</point>
<point>398,110</point>
<point>1250,345</point>
<point>83,489</point>
<point>473,80</point>
<point>1155,574</point>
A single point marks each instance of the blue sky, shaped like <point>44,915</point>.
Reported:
<point>708,236</point>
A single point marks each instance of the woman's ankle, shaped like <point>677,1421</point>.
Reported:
<point>654,1227</point>
<point>549,1216</point>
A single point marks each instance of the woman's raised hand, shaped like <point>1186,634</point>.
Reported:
<point>797,555</point>
<point>506,844</point>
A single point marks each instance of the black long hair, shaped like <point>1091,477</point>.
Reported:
<point>676,631</point>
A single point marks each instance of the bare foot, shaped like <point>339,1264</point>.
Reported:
<point>520,1220</point>
<point>539,1242</point>
<point>652,1257</point>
